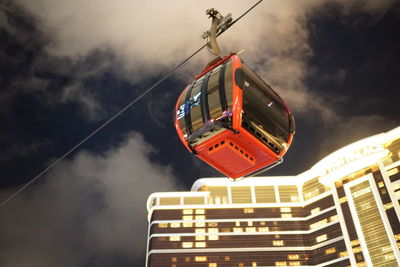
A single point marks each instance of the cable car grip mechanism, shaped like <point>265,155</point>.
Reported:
<point>219,24</point>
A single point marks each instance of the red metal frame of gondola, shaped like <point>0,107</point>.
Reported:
<point>234,152</point>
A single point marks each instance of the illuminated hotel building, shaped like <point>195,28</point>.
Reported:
<point>344,211</point>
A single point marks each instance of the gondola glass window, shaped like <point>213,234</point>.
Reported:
<point>196,110</point>
<point>264,109</point>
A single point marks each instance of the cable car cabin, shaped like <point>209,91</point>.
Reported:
<point>231,119</point>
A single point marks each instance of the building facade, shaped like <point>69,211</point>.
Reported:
<point>344,211</point>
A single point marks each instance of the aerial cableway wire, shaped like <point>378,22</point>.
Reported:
<point>144,93</point>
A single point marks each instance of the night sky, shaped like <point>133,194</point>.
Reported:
<point>68,66</point>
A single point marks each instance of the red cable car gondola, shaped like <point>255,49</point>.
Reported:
<point>231,119</point>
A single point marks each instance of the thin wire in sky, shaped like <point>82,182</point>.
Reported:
<point>143,94</point>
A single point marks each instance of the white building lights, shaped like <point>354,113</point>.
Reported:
<point>331,214</point>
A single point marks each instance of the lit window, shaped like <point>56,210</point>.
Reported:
<point>250,229</point>
<point>280,263</point>
<point>199,211</point>
<point>278,243</point>
<point>315,211</point>
<point>187,218</point>
<point>263,229</point>
<point>200,244</point>
<point>250,223</point>
<point>213,237</point>
<point>396,186</point>
<point>361,192</point>
<point>294,263</point>
<point>227,258</point>
<point>286,215</point>
<point>355,242</point>
<point>174,259</point>
<point>237,223</point>
<point>293,256</point>
<point>226,230</point>
<point>212,224</point>
<point>212,264</point>
<point>392,171</point>
<point>200,237</point>
<point>200,258</point>
<point>187,211</point>
<point>388,205</point>
<point>186,224</point>
<point>175,238</point>
<point>200,217</point>
<point>213,230</point>
<point>237,229</point>
<point>200,224</point>
<point>330,251</point>
<point>248,210</point>
<point>175,225</point>
<point>318,224</point>
<point>365,206</point>
<point>187,244</point>
<point>361,264</point>
<point>357,249</point>
<point>200,231</point>
<point>187,259</point>
<point>170,201</point>
<point>241,264</point>
<point>381,184</point>
<point>321,238</point>
<point>334,218</point>
<point>241,194</point>
<point>286,209</point>
<point>193,200</point>
<point>397,236</point>
<point>254,264</point>
<point>343,254</point>
<point>342,200</point>
<point>389,257</point>
<point>262,223</point>
<point>162,225</point>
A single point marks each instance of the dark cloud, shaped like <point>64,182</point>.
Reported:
<point>18,149</point>
<point>28,70</point>
<point>90,209</point>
